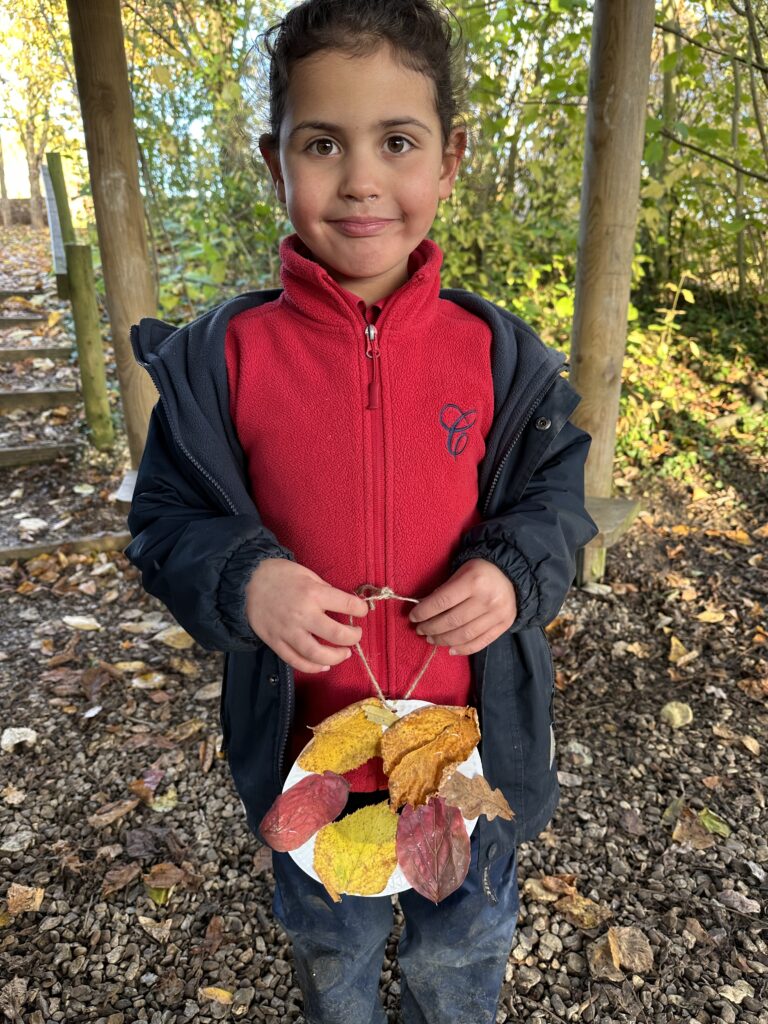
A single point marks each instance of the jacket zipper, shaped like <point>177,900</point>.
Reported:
<point>373,352</point>
<point>518,434</point>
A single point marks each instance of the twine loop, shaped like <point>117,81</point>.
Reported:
<point>370,594</point>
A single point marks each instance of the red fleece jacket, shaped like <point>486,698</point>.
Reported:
<point>363,444</point>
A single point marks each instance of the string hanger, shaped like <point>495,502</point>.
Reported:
<point>370,594</point>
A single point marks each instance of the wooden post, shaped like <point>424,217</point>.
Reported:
<point>619,70</point>
<point>85,311</point>
<point>59,219</point>
<point>103,89</point>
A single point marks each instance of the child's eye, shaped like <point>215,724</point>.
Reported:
<point>322,147</point>
<point>399,144</point>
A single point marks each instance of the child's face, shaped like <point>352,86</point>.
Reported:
<point>361,165</point>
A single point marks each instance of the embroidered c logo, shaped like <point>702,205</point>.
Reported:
<point>457,424</point>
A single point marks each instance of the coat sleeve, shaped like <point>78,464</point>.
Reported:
<point>535,541</point>
<point>192,556</point>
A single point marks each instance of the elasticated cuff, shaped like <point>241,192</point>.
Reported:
<point>237,572</point>
<point>518,571</point>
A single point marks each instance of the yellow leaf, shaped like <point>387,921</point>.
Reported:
<point>751,744</point>
<point>582,912</point>
<point>176,637</point>
<point>699,494</point>
<point>357,854</point>
<point>219,995</point>
<point>676,650</point>
<point>711,615</point>
<point>380,714</point>
<point>677,714</point>
<point>343,741</point>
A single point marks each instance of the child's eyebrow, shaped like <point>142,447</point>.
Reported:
<point>392,122</point>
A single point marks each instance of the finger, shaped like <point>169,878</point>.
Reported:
<point>334,600</point>
<point>326,628</point>
<point>449,594</point>
<point>455,618</point>
<point>312,650</point>
<point>479,642</point>
<point>295,660</point>
<point>467,632</point>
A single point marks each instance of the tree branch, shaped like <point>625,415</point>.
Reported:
<point>713,156</point>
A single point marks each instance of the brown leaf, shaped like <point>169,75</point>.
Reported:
<point>23,898</point>
<point>757,689</point>
<point>433,848</point>
<point>343,741</point>
<point>689,829</point>
<point>563,885</point>
<point>416,776</point>
<point>160,931</point>
<point>582,912</point>
<point>473,796</point>
<point>145,787</point>
<point>108,813</point>
<point>631,949</point>
<point>118,877</point>
<point>214,935</point>
<point>601,965</point>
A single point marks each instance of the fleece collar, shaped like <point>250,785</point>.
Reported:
<point>311,292</point>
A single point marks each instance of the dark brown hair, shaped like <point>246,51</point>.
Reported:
<point>420,33</point>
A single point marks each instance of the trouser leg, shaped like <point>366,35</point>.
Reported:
<point>453,955</point>
<point>338,948</point>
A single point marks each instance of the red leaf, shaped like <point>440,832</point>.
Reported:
<point>433,848</point>
<point>303,809</point>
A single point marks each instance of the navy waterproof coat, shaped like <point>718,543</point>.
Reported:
<point>198,537</point>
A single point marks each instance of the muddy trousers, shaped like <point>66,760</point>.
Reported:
<point>452,955</point>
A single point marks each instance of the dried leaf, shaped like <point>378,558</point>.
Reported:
<point>672,812</point>
<point>176,637</point>
<point>184,730</point>
<point>711,615</point>
<point>724,732</point>
<point>473,796</point>
<point>433,848</point>
<point>415,730</point>
<point>23,898</point>
<point>563,885</point>
<point>676,650</point>
<point>300,811</point>
<point>711,781</point>
<point>160,932</point>
<point>677,714</point>
<point>83,622</point>
<point>714,823</point>
<point>757,689</point>
<point>751,744</point>
<point>601,965</point>
<point>690,829</point>
<point>162,880</point>
<point>534,888</point>
<point>219,995</point>
<point>117,878</point>
<point>145,787</point>
<point>343,741</point>
<point>149,681</point>
<point>416,776</point>
<point>357,854</point>
<point>582,912</point>
<point>166,801</point>
<point>738,901</point>
<point>380,714</point>
<point>631,949</point>
<point>110,812</point>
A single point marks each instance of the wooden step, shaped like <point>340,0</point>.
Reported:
<point>17,355</point>
<point>19,293</point>
<point>30,454</point>
<point>92,542</point>
<point>613,517</point>
<point>37,398</point>
<point>7,322</point>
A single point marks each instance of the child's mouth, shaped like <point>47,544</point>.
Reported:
<point>359,228</point>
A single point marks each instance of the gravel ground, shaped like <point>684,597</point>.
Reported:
<point>131,888</point>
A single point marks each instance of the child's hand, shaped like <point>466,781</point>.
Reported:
<point>286,605</point>
<point>470,610</point>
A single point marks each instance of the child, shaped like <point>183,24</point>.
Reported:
<point>363,426</point>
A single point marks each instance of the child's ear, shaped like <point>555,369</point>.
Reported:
<point>452,157</point>
<point>271,157</point>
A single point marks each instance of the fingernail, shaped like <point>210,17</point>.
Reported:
<point>451,650</point>
<point>430,640</point>
<point>347,655</point>
<point>326,668</point>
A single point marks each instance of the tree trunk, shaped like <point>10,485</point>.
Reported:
<point>37,219</point>
<point>618,91</point>
<point>107,111</point>
<point>5,203</point>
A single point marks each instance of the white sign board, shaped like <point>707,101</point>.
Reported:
<point>57,243</point>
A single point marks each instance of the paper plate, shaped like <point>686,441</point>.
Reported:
<point>304,855</point>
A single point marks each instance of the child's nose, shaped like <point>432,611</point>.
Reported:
<point>360,180</point>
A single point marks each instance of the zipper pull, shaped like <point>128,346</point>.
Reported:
<point>373,352</point>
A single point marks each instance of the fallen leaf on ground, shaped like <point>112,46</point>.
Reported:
<point>600,960</point>
<point>218,995</point>
<point>83,622</point>
<point>690,829</point>
<point>109,813</point>
<point>357,854</point>
<point>160,932</point>
<point>23,898</point>
<point>343,741</point>
<point>176,637</point>
<point>582,912</point>
<point>751,744</point>
<point>757,689</point>
<point>738,901</point>
<point>676,714</point>
<point>300,811</point>
<point>433,848</point>
<point>118,877</point>
<point>631,949</point>
<point>473,796</point>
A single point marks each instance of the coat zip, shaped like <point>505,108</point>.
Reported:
<point>534,406</point>
<point>373,352</point>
